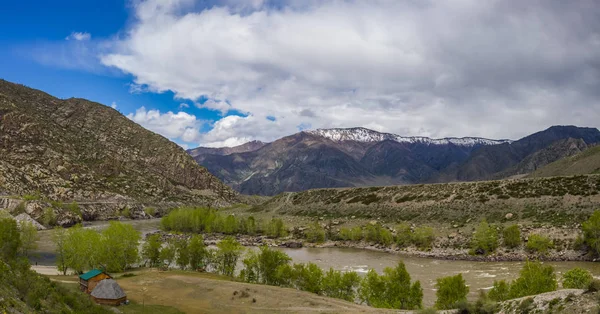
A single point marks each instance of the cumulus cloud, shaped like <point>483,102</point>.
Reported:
<point>499,69</point>
<point>181,125</point>
<point>79,36</point>
<point>113,105</point>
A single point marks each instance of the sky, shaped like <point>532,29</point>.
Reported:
<point>224,72</point>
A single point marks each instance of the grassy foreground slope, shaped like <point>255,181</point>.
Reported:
<point>586,162</point>
<point>557,200</point>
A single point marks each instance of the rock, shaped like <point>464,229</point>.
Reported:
<point>373,222</point>
<point>352,217</point>
<point>454,226</point>
<point>508,216</point>
<point>292,244</point>
<point>452,235</point>
<point>21,218</point>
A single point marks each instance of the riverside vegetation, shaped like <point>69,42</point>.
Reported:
<point>391,289</point>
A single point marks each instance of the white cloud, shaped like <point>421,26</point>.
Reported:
<point>180,125</point>
<point>183,105</point>
<point>439,68</point>
<point>79,36</point>
<point>113,105</point>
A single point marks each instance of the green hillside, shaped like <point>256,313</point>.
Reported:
<point>586,162</point>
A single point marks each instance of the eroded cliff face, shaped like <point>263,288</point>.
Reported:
<point>78,150</point>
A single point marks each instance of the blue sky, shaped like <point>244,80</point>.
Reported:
<point>223,72</point>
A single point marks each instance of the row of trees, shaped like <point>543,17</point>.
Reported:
<point>208,220</point>
<point>114,249</point>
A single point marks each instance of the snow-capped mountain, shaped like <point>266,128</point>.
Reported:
<point>361,157</point>
<point>366,135</point>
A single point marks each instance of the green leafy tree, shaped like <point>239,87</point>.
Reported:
<point>183,253</point>
<point>308,277</point>
<point>500,291</point>
<point>228,252</point>
<point>485,239</point>
<point>512,236</point>
<point>340,285</point>
<point>120,246</point>
<point>276,228</point>
<point>534,278</point>
<point>403,235</point>
<point>48,217</point>
<point>392,290</point>
<point>423,237</point>
<point>315,233</point>
<point>450,291</point>
<point>577,278</point>
<point>230,225</point>
<point>198,253</point>
<point>29,237</point>
<point>259,266</point>
<point>285,275</point>
<point>167,254</point>
<point>538,244</point>
<point>591,232</point>
<point>59,237</point>
<point>10,240</point>
<point>82,249</point>
<point>151,250</point>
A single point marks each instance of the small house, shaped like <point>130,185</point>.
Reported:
<point>108,292</point>
<point>89,280</point>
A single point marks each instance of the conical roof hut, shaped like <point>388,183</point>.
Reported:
<point>108,292</point>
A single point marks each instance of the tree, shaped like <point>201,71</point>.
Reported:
<point>450,291</point>
<point>423,237</point>
<point>227,254</point>
<point>403,235</point>
<point>260,265</point>
<point>59,237</point>
<point>29,237</point>
<point>499,291</point>
<point>577,278</point>
<point>167,254</point>
<point>10,240</point>
<point>392,290</point>
<point>198,252</point>
<point>512,236</point>
<point>485,239</point>
<point>81,249</point>
<point>591,232</point>
<point>151,250</point>
<point>534,278</point>
<point>230,225</point>
<point>183,253</point>
<point>120,246</point>
<point>538,244</point>
<point>308,277</point>
<point>315,233</point>
<point>340,285</point>
<point>276,228</point>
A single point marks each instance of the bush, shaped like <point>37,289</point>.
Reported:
<point>259,266</point>
<point>485,239</point>
<point>403,235</point>
<point>308,277</point>
<point>591,232</point>
<point>499,291</point>
<point>450,291</point>
<point>423,237</point>
<point>49,217</point>
<point>538,244</point>
<point>150,211</point>
<point>315,233</point>
<point>391,290</point>
<point>534,278</point>
<point>276,228</point>
<point>577,278</point>
<point>228,252</point>
<point>594,285</point>
<point>340,285</point>
<point>512,236</point>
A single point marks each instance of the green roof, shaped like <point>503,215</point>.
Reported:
<point>91,274</point>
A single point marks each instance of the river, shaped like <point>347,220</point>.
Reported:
<point>478,275</point>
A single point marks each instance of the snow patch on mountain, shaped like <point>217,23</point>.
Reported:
<point>366,135</point>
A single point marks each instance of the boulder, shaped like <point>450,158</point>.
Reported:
<point>21,218</point>
<point>508,216</point>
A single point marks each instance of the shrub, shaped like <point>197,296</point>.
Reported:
<point>450,290</point>
<point>315,233</point>
<point>538,244</point>
<point>228,252</point>
<point>151,250</point>
<point>534,278</point>
<point>150,211</point>
<point>340,285</point>
<point>276,228</point>
<point>591,232</point>
<point>485,239</point>
<point>259,266</point>
<point>577,278</point>
<point>594,285</point>
<point>512,236</point>
<point>403,235</point>
<point>49,217</point>
<point>499,291</point>
<point>423,237</point>
<point>392,290</point>
<point>308,277</point>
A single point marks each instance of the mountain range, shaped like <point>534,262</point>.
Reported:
<point>75,149</point>
<point>354,157</point>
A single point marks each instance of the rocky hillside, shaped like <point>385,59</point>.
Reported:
<point>75,149</point>
<point>587,162</point>
<point>557,200</point>
<point>361,157</point>
<point>222,151</point>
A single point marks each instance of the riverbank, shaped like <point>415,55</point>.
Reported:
<point>501,255</point>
